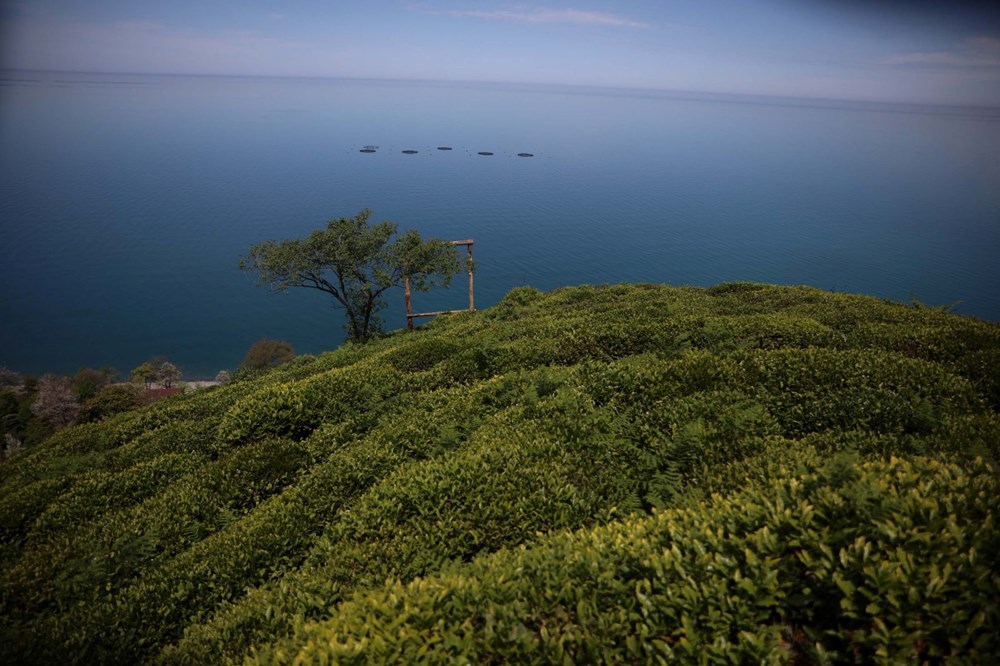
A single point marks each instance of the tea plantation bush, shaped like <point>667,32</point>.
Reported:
<point>879,563</point>
<point>600,473</point>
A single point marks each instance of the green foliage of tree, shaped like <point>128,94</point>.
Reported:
<point>87,382</point>
<point>266,354</point>
<point>11,430</point>
<point>144,374</point>
<point>19,425</point>
<point>355,262</point>
<point>10,405</point>
<point>168,374</point>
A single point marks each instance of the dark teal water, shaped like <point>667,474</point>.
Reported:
<point>126,201</point>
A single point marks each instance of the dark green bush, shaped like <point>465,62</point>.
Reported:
<point>297,408</point>
<point>225,521</point>
<point>882,563</point>
<point>422,354</point>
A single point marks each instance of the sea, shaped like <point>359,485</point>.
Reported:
<point>126,201</point>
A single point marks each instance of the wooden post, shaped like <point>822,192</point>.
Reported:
<point>411,315</point>
<point>409,308</point>
<point>472,305</point>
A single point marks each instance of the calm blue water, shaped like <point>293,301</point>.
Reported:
<point>126,201</point>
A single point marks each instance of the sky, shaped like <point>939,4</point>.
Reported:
<point>923,51</point>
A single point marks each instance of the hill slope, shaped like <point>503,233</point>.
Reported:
<point>612,473</point>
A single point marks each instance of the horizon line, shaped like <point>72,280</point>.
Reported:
<point>534,84</point>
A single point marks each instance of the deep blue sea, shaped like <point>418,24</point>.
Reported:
<point>126,201</point>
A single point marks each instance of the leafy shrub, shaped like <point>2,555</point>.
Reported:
<point>98,492</point>
<point>820,389</point>
<point>421,354</point>
<point>880,563</point>
<point>111,400</point>
<point>297,408</point>
<point>208,525</point>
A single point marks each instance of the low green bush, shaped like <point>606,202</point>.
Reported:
<point>297,408</point>
<point>82,565</point>
<point>882,563</point>
<point>227,520</point>
<point>98,492</point>
<point>422,354</point>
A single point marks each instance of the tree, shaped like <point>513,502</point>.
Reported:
<point>144,374</point>
<point>355,263</point>
<point>17,418</point>
<point>10,410</point>
<point>168,374</point>
<point>266,354</point>
<point>56,401</point>
<point>87,381</point>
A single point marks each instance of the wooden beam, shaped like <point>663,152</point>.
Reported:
<point>434,314</point>
<point>411,315</point>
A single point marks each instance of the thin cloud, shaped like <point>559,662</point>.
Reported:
<point>974,52</point>
<point>147,46</point>
<point>543,15</point>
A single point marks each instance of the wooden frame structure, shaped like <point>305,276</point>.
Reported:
<point>411,315</point>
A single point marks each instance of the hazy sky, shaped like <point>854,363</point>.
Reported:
<point>945,51</point>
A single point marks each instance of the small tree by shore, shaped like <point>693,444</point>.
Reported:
<point>168,374</point>
<point>157,370</point>
<point>266,354</point>
<point>144,374</point>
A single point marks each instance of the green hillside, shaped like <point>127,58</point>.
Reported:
<point>618,474</point>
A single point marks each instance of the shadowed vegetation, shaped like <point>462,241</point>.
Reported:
<point>613,474</point>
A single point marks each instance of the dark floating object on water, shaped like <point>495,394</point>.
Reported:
<point>485,152</point>
<point>525,154</point>
<point>409,152</point>
<point>444,147</point>
<point>369,149</point>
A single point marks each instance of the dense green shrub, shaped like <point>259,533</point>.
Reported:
<point>95,493</point>
<point>100,558</point>
<point>422,354</point>
<point>248,516</point>
<point>881,563</point>
<point>296,408</point>
<point>112,400</point>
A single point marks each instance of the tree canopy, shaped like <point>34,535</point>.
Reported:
<point>56,401</point>
<point>267,353</point>
<point>157,369</point>
<point>168,374</point>
<point>355,262</point>
<point>144,374</point>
